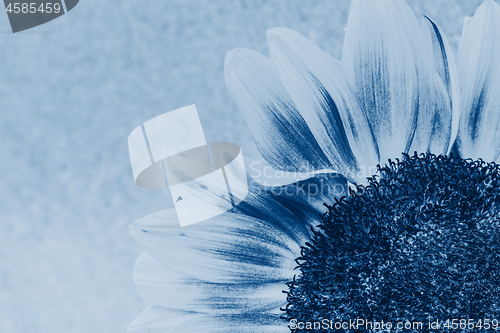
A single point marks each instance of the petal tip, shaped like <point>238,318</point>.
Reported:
<point>234,53</point>
<point>279,33</point>
<point>426,18</point>
<point>135,230</point>
<point>239,54</point>
<point>230,59</point>
<point>487,7</point>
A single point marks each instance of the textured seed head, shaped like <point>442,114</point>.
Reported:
<point>421,243</point>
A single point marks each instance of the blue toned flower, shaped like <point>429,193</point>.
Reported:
<point>419,244</point>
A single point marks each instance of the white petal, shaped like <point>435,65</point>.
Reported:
<point>437,86</point>
<point>167,288</point>
<point>160,320</point>
<point>300,199</point>
<point>229,248</point>
<point>381,60</point>
<point>444,63</point>
<point>435,114</point>
<point>316,84</point>
<point>255,242</point>
<point>245,323</point>
<point>479,70</point>
<point>280,132</point>
<point>306,199</point>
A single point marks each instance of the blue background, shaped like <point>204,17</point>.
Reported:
<point>72,90</point>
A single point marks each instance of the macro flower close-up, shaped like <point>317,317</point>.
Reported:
<point>414,138</point>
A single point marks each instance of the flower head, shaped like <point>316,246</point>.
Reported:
<point>420,244</point>
<point>428,225</point>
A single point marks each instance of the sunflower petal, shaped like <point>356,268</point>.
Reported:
<point>242,323</point>
<point>315,83</point>
<point>280,132</point>
<point>381,59</point>
<point>155,319</point>
<point>479,70</point>
<point>444,63</point>
<point>167,288</point>
<point>160,320</point>
<point>229,248</point>
<point>435,109</point>
<point>255,242</point>
<point>306,198</point>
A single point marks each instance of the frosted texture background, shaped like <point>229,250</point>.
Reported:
<point>72,90</point>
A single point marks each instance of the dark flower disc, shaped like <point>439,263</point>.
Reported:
<point>420,243</point>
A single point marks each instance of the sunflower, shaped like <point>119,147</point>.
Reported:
<point>419,244</point>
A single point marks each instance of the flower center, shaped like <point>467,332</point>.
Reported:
<point>422,243</point>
